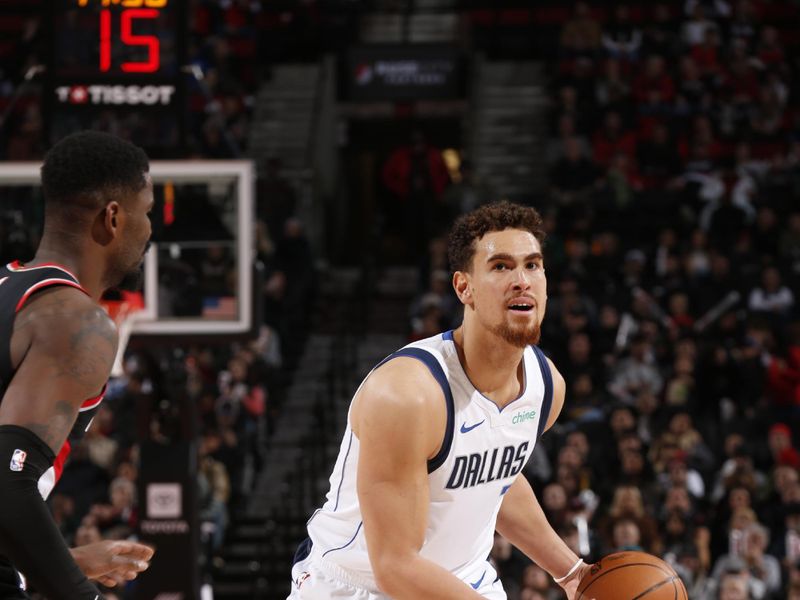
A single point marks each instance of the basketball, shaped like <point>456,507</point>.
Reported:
<point>628,575</point>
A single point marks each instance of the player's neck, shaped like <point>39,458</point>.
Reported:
<point>73,261</point>
<point>492,365</point>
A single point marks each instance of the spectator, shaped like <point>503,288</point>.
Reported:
<point>213,492</point>
<point>581,33</point>
<point>654,85</point>
<point>622,39</point>
<point>764,569</point>
<point>468,193</point>
<point>661,31</point>
<point>573,176</point>
<point>416,177</point>
<point>657,157</point>
<point>694,30</point>
<point>276,199</point>
<point>786,538</point>
<point>771,297</point>
<point>611,139</point>
<point>626,524</point>
<point>734,585</point>
<point>636,374</point>
<point>742,25</point>
<point>707,54</point>
<point>769,50</point>
<point>566,132</point>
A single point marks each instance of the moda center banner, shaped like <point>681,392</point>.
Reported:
<point>389,73</point>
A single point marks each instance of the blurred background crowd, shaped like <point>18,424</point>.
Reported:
<point>672,206</point>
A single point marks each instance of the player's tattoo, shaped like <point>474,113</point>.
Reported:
<point>81,352</point>
<point>55,430</point>
<point>92,347</point>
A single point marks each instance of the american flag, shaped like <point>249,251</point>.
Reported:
<point>222,307</point>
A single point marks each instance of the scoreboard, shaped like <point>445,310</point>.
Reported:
<point>117,65</point>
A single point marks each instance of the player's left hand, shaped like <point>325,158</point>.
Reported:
<point>112,562</point>
<point>571,585</point>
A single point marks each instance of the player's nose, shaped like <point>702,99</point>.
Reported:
<point>521,279</point>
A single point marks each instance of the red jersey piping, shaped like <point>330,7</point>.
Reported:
<point>46,283</point>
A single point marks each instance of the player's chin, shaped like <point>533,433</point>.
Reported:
<point>521,334</point>
<point>132,281</point>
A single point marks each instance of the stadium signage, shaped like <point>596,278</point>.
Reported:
<point>391,73</point>
<point>116,95</point>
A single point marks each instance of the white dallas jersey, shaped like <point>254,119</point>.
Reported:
<point>483,452</point>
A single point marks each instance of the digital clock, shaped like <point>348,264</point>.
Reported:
<point>103,38</point>
<point>116,65</point>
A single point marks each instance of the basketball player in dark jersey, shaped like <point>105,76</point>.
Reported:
<point>57,346</point>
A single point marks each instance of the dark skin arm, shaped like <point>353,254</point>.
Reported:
<point>65,345</point>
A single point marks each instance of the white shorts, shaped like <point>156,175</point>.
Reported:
<point>317,579</point>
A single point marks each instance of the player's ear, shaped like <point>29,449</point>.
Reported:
<point>113,213</point>
<point>462,287</point>
<point>110,218</point>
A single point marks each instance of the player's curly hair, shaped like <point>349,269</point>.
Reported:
<point>496,216</point>
<point>89,168</point>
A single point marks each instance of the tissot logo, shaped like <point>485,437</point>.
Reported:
<point>116,94</point>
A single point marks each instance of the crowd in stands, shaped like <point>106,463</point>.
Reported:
<point>673,261</point>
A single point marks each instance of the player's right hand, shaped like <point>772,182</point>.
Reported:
<point>112,562</point>
<point>571,585</point>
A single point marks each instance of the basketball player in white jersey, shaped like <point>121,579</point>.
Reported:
<point>438,435</point>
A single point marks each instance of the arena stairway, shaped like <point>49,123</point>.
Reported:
<point>283,115</point>
<point>263,535</point>
<point>507,127</point>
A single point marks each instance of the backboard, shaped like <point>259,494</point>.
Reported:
<point>198,271</point>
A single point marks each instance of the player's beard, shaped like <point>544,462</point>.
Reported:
<point>521,336</point>
<point>132,280</point>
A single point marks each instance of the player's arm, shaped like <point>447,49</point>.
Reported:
<point>522,521</point>
<point>559,393</point>
<point>399,418</point>
<point>70,347</point>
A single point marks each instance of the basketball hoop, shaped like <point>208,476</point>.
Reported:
<point>124,312</point>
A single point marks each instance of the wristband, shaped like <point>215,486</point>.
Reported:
<point>570,573</point>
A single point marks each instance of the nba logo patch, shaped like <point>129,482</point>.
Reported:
<point>18,460</point>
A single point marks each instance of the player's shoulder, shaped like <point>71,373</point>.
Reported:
<point>404,374</point>
<point>402,402</point>
<point>64,313</point>
<point>401,386</point>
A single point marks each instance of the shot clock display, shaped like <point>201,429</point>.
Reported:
<point>116,65</point>
<point>104,38</point>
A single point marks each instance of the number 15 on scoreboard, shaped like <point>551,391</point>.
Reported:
<point>129,3</point>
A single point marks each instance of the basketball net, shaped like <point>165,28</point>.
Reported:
<point>124,313</point>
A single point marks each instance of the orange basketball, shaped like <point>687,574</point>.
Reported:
<point>629,575</point>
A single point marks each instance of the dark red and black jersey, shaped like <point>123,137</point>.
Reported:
<point>17,285</point>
